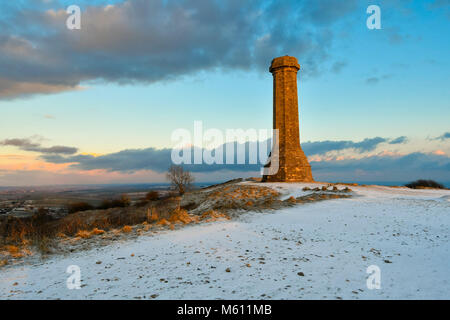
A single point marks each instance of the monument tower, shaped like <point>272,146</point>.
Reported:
<point>293,165</point>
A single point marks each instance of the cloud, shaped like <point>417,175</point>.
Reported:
<point>399,140</point>
<point>28,145</point>
<point>44,177</point>
<point>338,66</point>
<point>443,137</point>
<point>11,89</point>
<point>21,143</point>
<point>148,41</point>
<point>386,168</point>
<point>442,5</point>
<point>159,160</point>
<point>372,80</point>
<point>133,164</point>
<point>322,147</point>
<point>132,160</point>
<point>377,79</point>
<point>372,168</point>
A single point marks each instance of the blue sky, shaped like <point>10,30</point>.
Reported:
<point>102,91</point>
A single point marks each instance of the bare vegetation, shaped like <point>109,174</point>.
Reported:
<point>152,196</point>
<point>180,179</point>
<point>423,184</point>
<point>20,237</point>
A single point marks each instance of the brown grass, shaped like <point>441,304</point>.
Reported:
<point>45,233</point>
<point>163,222</point>
<point>181,216</point>
<point>97,231</point>
<point>127,229</point>
<point>84,234</point>
<point>152,215</point>
<point>14,251</point>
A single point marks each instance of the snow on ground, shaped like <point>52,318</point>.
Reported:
<point>310,251</point>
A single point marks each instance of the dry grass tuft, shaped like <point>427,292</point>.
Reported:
<point>292,199</point>
<point>213,215</point>
<point>182,216</point>
<point>12,249</point>
<point>152,215</point>
<point>97,231</point>
<point>163,222</point>
<point>127,229</point>
<point>15,251</point>
<point>84,234</point>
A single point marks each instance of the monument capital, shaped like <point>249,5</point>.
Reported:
<point>284,62</point>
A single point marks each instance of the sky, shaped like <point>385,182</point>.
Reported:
<point>100,104</point>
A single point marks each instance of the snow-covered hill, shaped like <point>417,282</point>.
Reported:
<point>310,251</point>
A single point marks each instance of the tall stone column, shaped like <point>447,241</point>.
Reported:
<point>293,165</point>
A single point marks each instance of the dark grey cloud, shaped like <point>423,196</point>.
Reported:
<point>125,161</point>
<point>443,137</point>
<point>21,143</point>
<point>371,168</point>
<point>399,140</point>
<point>29,145</point>
<point>417,160</point>
<point>157,160</point>
<point>385,168</point>
<point>322,147</point>
<point>160,159</point>
<point>148,41</point>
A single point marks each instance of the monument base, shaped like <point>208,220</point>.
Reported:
<point>294,169</point>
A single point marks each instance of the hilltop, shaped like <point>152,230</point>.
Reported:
<point>300,248</point>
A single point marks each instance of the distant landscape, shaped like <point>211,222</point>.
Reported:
<point>27,200</point>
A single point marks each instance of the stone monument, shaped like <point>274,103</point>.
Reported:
<point>293,165</point>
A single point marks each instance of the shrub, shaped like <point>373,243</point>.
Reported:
<point>106,204</point>
<point>42,215</point>
<point>122,202</point>
<point>152,196</point>
<point>424,184</point>
<point>180,179</point>
<point>79,206</point>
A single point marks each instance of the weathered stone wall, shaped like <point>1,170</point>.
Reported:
<point>293,164</point>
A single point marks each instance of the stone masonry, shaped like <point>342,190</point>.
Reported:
<point>293,164</point>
